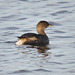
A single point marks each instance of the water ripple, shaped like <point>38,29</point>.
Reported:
<point>7,33</point>
<point>56,63</point>
<point>58,31</point>
<point>44,70</point>
<point>22,18</point>
<point>12,28</point>
<point>9,42</point>
<point>24,0</point>
<point>60,12</point>
<point>60,55</point>
<point>28,71</point>
<point>22,71</point>
<point>62,2</point>
<point>64,37</point>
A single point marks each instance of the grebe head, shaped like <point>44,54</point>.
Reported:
<point>41,26</point>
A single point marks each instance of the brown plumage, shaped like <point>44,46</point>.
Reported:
<point>35,39</point>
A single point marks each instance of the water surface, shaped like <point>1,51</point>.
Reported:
<point>21,16</point>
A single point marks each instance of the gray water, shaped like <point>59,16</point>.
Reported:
<point>21,16</point>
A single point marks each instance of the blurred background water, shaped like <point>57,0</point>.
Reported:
<point>21,16</point>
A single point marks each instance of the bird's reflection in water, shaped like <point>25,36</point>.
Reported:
<point>40,49</point>
<point>43,49</point>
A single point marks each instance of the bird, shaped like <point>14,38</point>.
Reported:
<point>35,39</point>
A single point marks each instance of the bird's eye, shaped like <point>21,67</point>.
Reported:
<point>42,26</point>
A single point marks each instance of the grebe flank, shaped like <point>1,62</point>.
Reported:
<point>35,39</point>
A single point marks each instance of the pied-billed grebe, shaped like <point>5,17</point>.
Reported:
<point>35,39</point>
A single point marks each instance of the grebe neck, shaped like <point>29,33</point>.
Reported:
<point>41,31</point>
